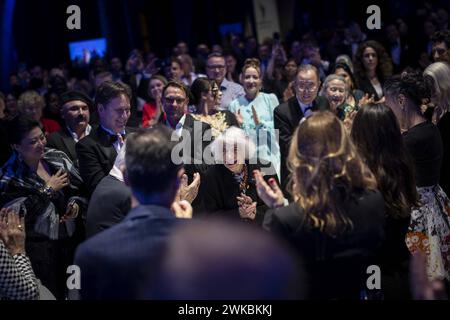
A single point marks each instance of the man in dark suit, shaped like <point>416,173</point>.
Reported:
<point>110,201</point>
<point>114,262</point>
<point>288,115</point>
<point>75,113</point>
<point>97,152</point>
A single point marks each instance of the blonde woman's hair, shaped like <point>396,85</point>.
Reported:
<point>440,73</point>
<point>28,98</point>
<point>326,169</point>
<point>252,63</point>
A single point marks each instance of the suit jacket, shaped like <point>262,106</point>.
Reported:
<point>109,204</point>
<point>366,86</point>
<point>62,140</point>
<point>96,156</point>
<point>116,262</point>
<point>287,116</point>
<point>335,266</point>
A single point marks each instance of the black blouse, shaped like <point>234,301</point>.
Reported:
<point>424,144</point>
<point>336,266</point>
<point>444,128</point>
<point>220,189</point>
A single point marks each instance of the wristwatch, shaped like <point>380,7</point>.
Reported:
<point>48,191</point>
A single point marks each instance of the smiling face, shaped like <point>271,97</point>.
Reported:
<point>155,88</point>
<point>306,86</point>
<point>32,145</point>
<point>336,92</point>
<point>233,157</point>
<point>114,115</point>
<point>251,81</point>
<point>370,59</point>
<point>216,69</point>
<point>76,115</point>
<point>175,104</point>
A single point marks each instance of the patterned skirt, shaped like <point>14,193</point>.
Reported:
<point>429,231</point>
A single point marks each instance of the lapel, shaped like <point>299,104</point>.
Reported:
<point>295,112</point>
<point>105,145</point>
<point>69,143</point>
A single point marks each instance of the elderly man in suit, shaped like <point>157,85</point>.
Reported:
<point>288,115</point>
<point>75,113</point>
<point>114,262</point>
<point>97,151</point>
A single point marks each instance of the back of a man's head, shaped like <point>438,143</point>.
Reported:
<point>149,167</point>
<point>214,260</point>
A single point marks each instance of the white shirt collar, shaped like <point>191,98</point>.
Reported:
<point>74,134</point>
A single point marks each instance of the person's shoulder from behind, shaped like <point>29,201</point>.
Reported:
<point>286,219</point>
<point>371,206</point>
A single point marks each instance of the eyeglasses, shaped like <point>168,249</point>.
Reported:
<point>171,100</point>
<point>220,67</point>
<point>302,86</point>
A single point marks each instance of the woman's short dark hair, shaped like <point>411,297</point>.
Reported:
<point>376,134</point>
<point>19,127</point>
<point>346,68</point>
<point>148,159</point>
<point>199,86</point>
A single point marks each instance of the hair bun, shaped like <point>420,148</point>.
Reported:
<point>252,62</point>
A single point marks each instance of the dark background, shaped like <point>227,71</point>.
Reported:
<point>35,31</point>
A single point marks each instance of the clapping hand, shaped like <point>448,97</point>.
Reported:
<point>12,231</point>
<point>182,209</point>
<point>188,192</point>
<point>239,118</point>
<point>247,207</point>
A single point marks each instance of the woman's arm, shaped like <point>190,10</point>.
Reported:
<point>17,280</point>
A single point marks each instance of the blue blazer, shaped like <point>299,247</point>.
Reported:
<point>115,263</point>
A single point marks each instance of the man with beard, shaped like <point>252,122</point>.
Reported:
<point>75,113</point>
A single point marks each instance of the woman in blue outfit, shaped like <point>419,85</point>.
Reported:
<point>254,112</point>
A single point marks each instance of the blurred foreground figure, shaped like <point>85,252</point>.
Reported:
<point>223,260</point>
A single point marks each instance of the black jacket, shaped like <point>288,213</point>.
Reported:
<point>109,204</point>
<point>96,156</point>
<point>336,267</point>
<point>62,140</point>
<point>287,116</point>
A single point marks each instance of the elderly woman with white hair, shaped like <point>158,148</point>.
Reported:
<point>336,90</point>
<point>228,186</point>
<point>439,74</point>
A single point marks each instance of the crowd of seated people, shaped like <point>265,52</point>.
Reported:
<point>288,167</point>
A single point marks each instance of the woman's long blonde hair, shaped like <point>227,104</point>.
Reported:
<point>326,170</point>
